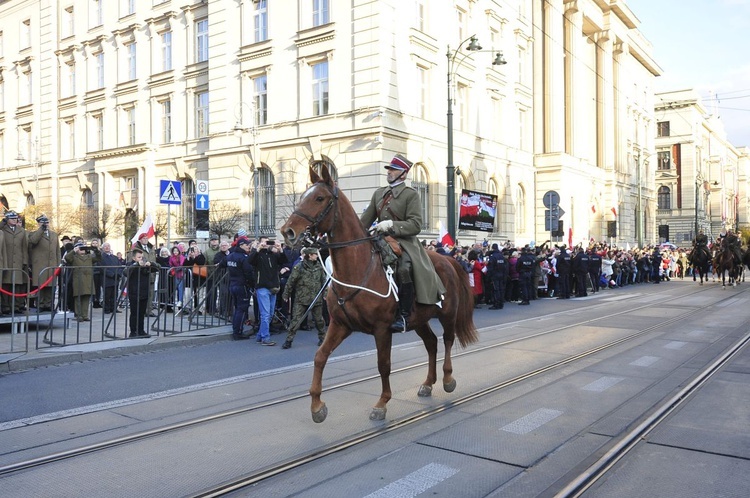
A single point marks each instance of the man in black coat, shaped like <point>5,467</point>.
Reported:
<point>581,271</point>
<point>525,266</point>
<point>595,269</point>
<point>497,270</point>
<point>138,273</point>
<point>563,270</point>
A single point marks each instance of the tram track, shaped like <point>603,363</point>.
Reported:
<point>350,442</point>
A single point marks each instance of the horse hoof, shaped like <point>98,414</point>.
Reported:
<point>450,386</point>
<point>424,391</point>
<point>320,415</point>
<point>377,414</point>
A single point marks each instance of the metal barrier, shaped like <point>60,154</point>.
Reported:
<point>90,304</point>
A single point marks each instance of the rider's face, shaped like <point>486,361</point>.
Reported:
<point>393,174</point>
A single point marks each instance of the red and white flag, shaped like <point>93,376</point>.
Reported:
<point>444,237</point>
<point>570,237</point>
<point>147,228</point>
<point>593,208</point>
<point>614,211</point>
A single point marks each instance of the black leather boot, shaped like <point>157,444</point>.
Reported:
<point>405,301</point>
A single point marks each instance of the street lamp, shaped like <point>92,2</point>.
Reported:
<point>473,46</point>
<point>253,130</point>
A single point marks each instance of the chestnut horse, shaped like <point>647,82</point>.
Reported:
<point>360,296</point>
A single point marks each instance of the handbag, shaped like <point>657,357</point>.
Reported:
<point>200,271</point>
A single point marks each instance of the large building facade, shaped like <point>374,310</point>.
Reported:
<point>102,99</point>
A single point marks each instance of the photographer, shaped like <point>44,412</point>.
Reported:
<point>267,258</point>
<point>81,260</point>
<point>197,282</point>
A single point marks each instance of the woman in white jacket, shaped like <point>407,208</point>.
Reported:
<point>607,262</point>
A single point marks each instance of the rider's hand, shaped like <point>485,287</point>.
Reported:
<point>384,226</point>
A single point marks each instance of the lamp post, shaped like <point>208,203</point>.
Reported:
<point>698,183</point>
<point>239,129</point>
<point>473,46</point>
<point>33,161</point>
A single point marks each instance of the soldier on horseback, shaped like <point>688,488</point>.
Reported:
<point>397,209</point>
<point>700,244</point>
<point>732,241</point>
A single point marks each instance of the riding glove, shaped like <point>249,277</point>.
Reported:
<point>384,226</point>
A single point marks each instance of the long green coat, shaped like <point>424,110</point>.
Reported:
<point>82,268</point>
<point>44,252</point>
<point>404,208</point>
<point>16,248</point>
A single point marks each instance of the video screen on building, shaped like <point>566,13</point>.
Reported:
<point>477,211</point>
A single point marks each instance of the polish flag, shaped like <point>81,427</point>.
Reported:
<point>614,211</point>
<point>593,208</point>
<point>444,237</point>
<point>147,228</point>
<point>570,237</point>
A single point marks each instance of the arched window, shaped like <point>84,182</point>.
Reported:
<point>421,183</point>
<point>87,198</point>
<point>316,165</point>
<point>263,203</point>
<point>520,210</point>
<point>187,208</point>
<point>664,201</point>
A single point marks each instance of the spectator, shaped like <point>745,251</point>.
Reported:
<point>211,282</point>
<point>194,261</point>
<point>267,259</point>
<point>176,276</point>
<point>110,265</point>
<point>138,273</point>
<point>98,278</point>
<point>149,254</point>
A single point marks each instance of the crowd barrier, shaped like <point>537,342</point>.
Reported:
<point>179,301</point>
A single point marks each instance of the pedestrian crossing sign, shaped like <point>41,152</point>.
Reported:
<point>170,192</point>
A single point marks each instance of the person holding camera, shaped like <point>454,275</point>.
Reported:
<point>45,256</point>
<point>268,259</point>
<point>16,274</point>
<point>138,272</point>
<point>81,262</point>
<point>198,281</point>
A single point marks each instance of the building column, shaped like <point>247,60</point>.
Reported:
<point>554,77</point>
<point>572,32</point>
<point>605,103</point>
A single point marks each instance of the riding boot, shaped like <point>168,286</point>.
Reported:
<point>405,300</point>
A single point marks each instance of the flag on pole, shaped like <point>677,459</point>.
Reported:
<point>570,237</point>
<point>593,208</point>
<point>614,211</point>
<point>147,228</point>
<point>444,237</point>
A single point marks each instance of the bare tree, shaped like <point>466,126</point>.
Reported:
<point>62,219</point>
<point>101,224</point>
<point>290,194</point>
<point>225,218</point>
<point>161,224</point>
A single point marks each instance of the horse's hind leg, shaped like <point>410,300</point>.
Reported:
<point>449,383</point>
<point>383,342</point>
<point>430,343</point>
<point>335,335</point>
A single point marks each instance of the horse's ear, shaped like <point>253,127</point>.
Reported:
<point>326,175</point>
<point>314,178</point>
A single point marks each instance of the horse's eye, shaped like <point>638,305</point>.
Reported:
<point>319,198</point>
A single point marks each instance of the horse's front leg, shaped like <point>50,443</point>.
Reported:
<point>449,382</point>
<point>430,343</point>
<point>334,336</point>
<point>383,342</point>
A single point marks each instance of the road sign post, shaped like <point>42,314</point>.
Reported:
<point>170,192</point>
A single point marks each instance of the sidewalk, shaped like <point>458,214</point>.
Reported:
<point>79,346</point>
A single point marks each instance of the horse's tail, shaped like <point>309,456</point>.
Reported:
<point>464,328</point>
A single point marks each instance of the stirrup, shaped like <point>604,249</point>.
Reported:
<point>399,324</point>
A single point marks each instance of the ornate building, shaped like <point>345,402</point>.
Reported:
<point>99,101</point>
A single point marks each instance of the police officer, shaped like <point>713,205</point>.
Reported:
<point>306,281</point>
<point>595,269</point>
<point>497,269</point>
<point>525,265</point>
<point>563,270</point>
<point>240,274</point>
<point>581,271</point>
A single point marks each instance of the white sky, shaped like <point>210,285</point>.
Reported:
<point>704,45</point>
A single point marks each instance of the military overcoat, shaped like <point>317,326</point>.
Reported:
<point>82,271</point>
<point>44,254</point>
<point>16,247</point>
<point>403,207</point>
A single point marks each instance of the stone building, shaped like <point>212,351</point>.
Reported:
<point>100,100</point>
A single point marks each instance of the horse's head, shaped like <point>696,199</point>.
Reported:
<point>314,214</point>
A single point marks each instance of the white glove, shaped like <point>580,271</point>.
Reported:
<point>384,226</point>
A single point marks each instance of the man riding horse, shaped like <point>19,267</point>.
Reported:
<point>397,209</point>
<point>732,241</point>
<point>700,244</point>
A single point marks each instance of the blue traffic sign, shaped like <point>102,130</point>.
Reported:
<point>201,202</point>
<point>170,192</point>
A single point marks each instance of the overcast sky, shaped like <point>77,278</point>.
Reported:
<point>704,45</point>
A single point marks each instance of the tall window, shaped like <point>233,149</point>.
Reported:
<point>320,88</point>
<point>25,40</point>
<point>461,27</point>
<point>28,88</point>
<point>95,15</point>
<point>87,198</point>
<point>266,192</point>
<point>166,121</point>
<point>421,183</point>
<point>187,208</point>
<point>664,198</point>
<point>1,43</point>
<point>131,60</point>
<point>201,40</point>
<point>662,129</point>
<point>166,51</point>
<point>422,97</point>
<point>201,114</point>
<point>663,160</point>
<point>130,118</point>
<point>420,13</point>
<point>98,131</point>
<point>520,210</point>
<point>2,95</point>
<point>68,139</point>
<point>69,81</point>
<point>260,97</point>
<point>320,12</point>
<point>260,21</point>
<point>68,22</point>
<point>128,7</point>
<point>522,129</point>
<point>99,62</point>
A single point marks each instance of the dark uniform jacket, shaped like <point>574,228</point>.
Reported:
<point>403,207</point>
<point>239,270</point>
<point>497,266</point>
